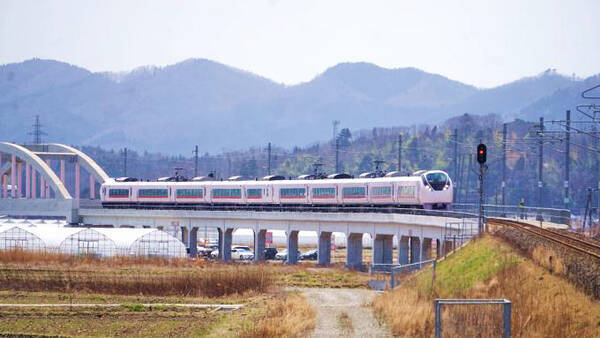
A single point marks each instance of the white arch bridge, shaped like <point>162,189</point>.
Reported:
<point>44,180</point>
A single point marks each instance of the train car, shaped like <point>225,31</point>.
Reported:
<point>431,189</point>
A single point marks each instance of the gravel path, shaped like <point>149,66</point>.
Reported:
<point>344,312</point>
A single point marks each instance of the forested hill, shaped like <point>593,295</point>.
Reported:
<point>423,147</point>
<point>173,108</point>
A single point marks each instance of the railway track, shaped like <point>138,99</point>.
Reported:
<point>572,242</point>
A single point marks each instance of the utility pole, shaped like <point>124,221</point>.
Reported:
<point>400,153</point>
<point>567,157</point>
<point>503,187</point>
<point>455,159</point>
<point>540,162</point>
<point>597,144</point>
<point>337,155</point>
<point>269,159</point>
<point>468,185</point>
<point>196,161</point>
<point>125,162</point>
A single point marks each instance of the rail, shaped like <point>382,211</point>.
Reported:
<point>570,241</point>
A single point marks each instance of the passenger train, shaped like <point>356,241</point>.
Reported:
<point>430,189</point>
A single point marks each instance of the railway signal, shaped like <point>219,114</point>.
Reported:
<point>481,158</point>
<point>481,153</point>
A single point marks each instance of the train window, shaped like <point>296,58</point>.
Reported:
<point>323,192</point>
<point>406,191</point>
<point>190,193</point>
<point>254,193</point>
<point>227,193</point>
<point>353,192</point>
<point>292,192</point>
<point>153,193</point>
<point>437,180</point>
<point>381,191</point>
<point>118,193</point>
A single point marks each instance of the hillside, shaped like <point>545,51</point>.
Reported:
<point>202,102</point>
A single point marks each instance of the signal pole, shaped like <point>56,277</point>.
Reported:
<point>567,157</point>
<point>503,163</point>
<point>196,161</point>
<point>400,153</point>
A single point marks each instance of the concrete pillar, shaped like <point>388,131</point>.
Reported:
<point>447,247</point>
<point>62,171</point>
<point>184,236</point>
<point>92,187</point>
<point>415,249</point>
<point>13,176</point>
<point>225,238</point>
<point>438,248</point>
<point>260,238</point>
<point>46,185</point>
<point>403,250</point>
<point>426,249</point>
<point>292,247</point>
<point>193,243</point>
<point>383,249</point>
<point>354,251</point>
<point>19,180</point>
<point>27,181</point>
<point>77,180</point>
<point>324,248</point>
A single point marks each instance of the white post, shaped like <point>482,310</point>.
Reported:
<point>27,180</point>
<point>13,176</point>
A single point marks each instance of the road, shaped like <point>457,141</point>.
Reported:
<point>344,312</point>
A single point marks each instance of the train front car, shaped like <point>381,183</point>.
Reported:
<point>437,190</point>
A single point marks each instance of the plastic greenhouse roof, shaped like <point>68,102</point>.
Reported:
<point>52,236</point>
<point>125,237</point>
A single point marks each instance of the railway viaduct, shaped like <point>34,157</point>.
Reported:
<point>37,176</point>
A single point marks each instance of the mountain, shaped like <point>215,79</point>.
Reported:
<point>198,101</point>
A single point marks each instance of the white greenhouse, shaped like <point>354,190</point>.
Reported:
<point>103,242</point>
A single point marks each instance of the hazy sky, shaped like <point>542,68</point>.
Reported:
<point>484,43</point>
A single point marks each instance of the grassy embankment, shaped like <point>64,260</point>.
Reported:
<point>544,305</point>
<point>50,278</point>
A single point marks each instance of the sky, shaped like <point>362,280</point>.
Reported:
<point>483,43</point>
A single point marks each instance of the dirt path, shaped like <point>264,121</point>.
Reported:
<point>344,312</point>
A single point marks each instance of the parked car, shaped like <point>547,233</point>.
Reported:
<point>247,248</point>
<point>207,250</point>
<point>282,255</point>
<point>241,254</point>
<point>236,254</point>
<point>270,253</point>
<point>309,255</point>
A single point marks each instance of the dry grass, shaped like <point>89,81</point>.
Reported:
<point>345,323</point>
<point>19,256</point>
<point>544,305</point>
<point>27,271</point>
<point>287,315</point>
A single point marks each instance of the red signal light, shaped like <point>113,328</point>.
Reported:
<point>481,153</point>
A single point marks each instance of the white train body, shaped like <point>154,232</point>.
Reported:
<point>428,190</point>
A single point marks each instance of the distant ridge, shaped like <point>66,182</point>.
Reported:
<point>199,101</point>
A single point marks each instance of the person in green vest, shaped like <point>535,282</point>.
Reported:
<point>522,208</point>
